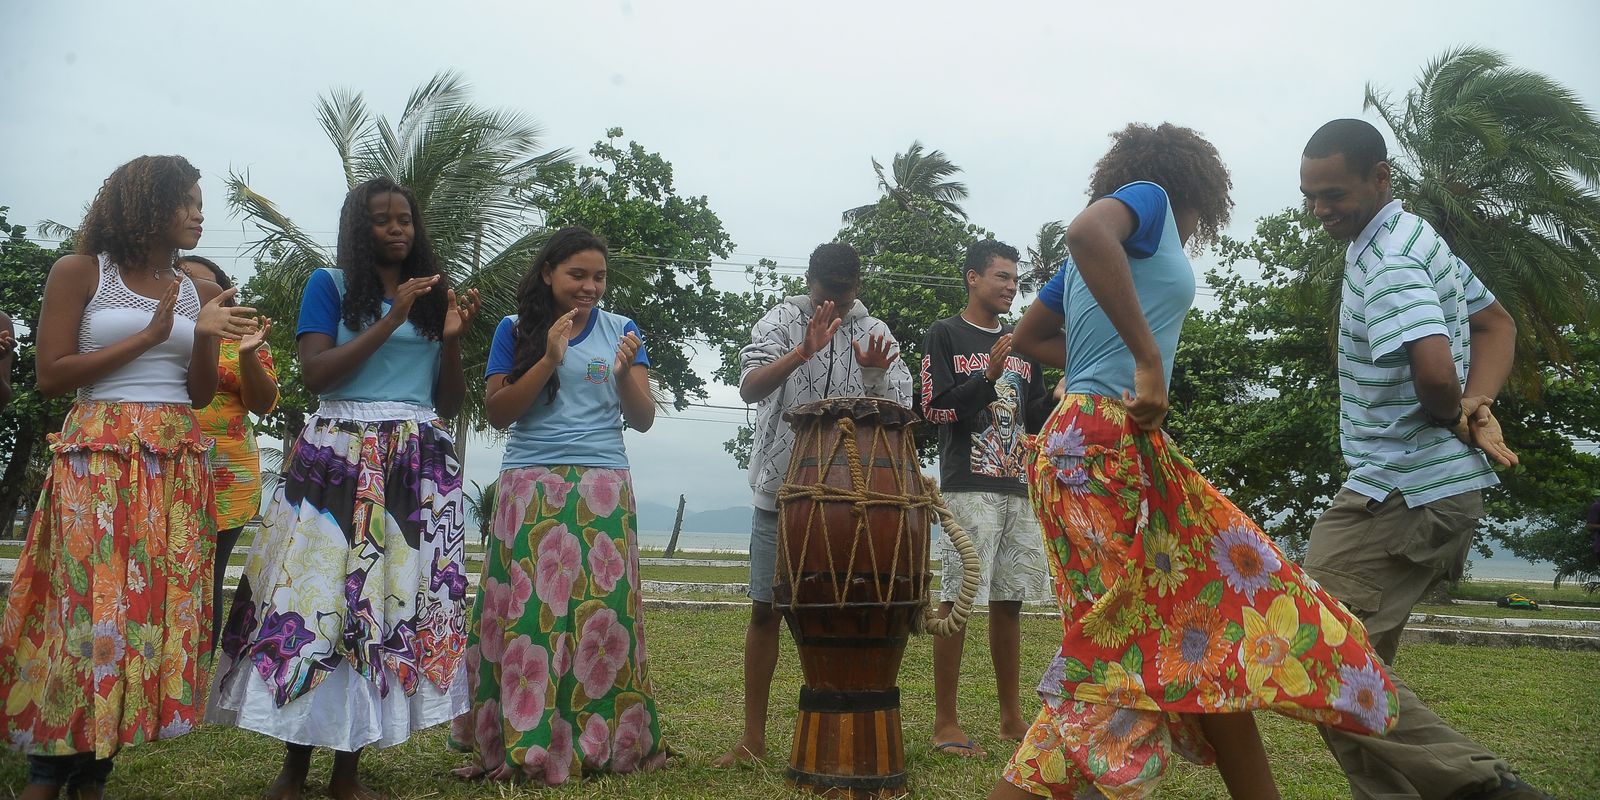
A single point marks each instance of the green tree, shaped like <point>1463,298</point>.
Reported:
<point>30,417</point>
<point>1047,252</point>
<point>1505,163</point>
<point>473,170</point>
<point>662,246</point>
<point>913,242</point>
<point>918,175</point>
<point>1255,403</point>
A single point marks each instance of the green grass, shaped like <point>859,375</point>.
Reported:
<point>1570,592</point>
<point>1495,612</point>
<point>1534,707</point>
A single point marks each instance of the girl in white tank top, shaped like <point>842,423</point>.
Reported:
<point>118,551</point>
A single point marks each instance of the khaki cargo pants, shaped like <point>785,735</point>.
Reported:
<point>1380,559</point>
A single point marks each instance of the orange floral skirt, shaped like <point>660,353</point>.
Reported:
<point>106,635</point>
<point>1173,603</point>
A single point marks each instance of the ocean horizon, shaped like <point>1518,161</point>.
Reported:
<point>1500,567</point>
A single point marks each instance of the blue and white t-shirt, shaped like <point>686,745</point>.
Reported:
<point>404,368</point>
<point>583,426</point>
<point>1098,362</point>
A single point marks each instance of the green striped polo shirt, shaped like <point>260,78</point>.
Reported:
<point>1402,283</point>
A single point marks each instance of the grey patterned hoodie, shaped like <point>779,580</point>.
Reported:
<point>832,372</point>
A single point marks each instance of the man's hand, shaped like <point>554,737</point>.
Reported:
<point>1483,431</point>
<point>880,353</point>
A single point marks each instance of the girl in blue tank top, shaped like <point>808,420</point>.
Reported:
<point>559,676</point>
<point>1179,616</point>
<point>348,626</point>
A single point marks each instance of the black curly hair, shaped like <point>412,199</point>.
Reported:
<point>1178,160</point>
<point>983,252</point>
<point>133,211</point>
<point>536,303</point>
<point>218,277</point>
<point>363,292</point>
<point>835,265</point>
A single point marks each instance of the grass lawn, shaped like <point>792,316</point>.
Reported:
<point>1496,612</point>
<point>1570,591</point>
<point>1535,707</point>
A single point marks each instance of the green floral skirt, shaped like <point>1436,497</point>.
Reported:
<point>556,658</point>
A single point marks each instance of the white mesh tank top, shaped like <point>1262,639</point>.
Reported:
<point>160,374</point>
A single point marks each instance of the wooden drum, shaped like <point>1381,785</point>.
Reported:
<point>852,581</point>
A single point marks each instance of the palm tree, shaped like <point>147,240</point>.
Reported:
<point>918,174</point>
<point>472,170</point>
<point>1505,163</point>
<point>1047,253</point>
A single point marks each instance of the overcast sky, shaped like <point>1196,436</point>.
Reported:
<point>772,112</point>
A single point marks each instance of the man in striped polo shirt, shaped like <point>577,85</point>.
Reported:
<point>1423,350</point>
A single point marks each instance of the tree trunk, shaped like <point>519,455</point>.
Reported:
<point>462,435</point>
<point>14,484</point>
<point>677,528</point>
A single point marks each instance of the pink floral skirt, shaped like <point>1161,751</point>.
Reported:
<point>556,659</point>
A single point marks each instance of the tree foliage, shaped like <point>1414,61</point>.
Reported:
<point>1255,403</point>
<point>30,417</point>
<point>472,170</point>
<point>662,245</point>
<point>1505,163</point>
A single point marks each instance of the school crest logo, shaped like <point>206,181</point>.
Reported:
<point>597,371</point>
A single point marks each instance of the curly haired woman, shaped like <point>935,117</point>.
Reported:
<point>348,626</point>
<point>104,643</point>
<point>1180,617</point>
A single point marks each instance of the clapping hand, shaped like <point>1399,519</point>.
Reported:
<point>880,352</point>
<point>997,358</point>
<point>627,351</point>
<point>462,309</point>
<point>555,341</point>
<point>407,293</point>
<point>217,319</point>
<point>8,343</point>
<point>252,341</point>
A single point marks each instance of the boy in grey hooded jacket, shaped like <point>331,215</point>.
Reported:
<point>808,347</point>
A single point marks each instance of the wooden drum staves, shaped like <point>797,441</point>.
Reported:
<point>852,581</point>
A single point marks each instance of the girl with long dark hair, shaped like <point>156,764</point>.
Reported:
<point>348,626</point>
<point>560,681</point>
<point>106,636</point>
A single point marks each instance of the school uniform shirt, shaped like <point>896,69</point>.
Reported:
<point>1098,362</point>
<point>980,424</point>
<point>582,427</point>
<point>404,369</point>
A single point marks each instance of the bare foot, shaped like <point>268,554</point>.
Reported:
<point>352,789</point>
<point>742,753</point>
<point>1013,733</point>
<point>286,787</point>
<point>470,772</point>
<point>505,772</point>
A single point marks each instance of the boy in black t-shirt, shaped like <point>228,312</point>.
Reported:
<point>983,400</point>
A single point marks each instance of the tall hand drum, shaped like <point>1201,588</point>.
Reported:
<point>852,581</point>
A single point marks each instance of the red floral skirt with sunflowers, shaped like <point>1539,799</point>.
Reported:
<point>1173,604</point>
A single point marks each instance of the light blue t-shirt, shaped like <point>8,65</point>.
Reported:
<point>583,426</point>
<point>1098,362</point>
<point>404,368</point>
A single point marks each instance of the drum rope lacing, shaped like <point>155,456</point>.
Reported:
<point>862,499</point>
